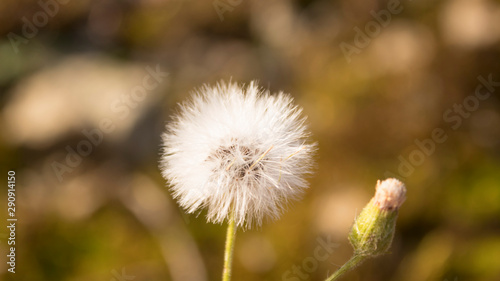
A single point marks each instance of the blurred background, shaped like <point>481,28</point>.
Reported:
<point>407,89</point>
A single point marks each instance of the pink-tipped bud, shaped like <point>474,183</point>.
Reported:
<point>390,194</point>
<point>374,228</point>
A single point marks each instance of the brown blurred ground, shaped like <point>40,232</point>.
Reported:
<point>373,113</point>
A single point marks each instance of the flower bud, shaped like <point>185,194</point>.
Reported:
<point>373,229</point>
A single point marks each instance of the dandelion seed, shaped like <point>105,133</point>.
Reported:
<point>237,149</point>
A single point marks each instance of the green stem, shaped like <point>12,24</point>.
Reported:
<point>228,252</point>
<point>349,265</point>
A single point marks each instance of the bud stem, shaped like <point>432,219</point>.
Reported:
<point>228,252</point>
<point>349,265</point>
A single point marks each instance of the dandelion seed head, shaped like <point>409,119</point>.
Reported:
<point>237,148</point>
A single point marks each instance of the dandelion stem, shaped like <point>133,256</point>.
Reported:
<point>349,265</point>
<point>228,252</point>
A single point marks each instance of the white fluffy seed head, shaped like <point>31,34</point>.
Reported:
<point>237,148</point>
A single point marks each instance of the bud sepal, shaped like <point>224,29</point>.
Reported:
<point>373,230</point>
